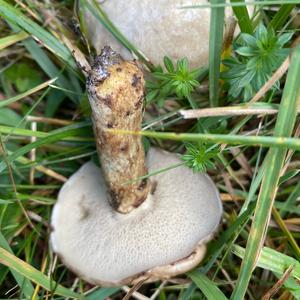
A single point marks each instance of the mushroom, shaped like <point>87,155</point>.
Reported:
<point>111,229</point>
<point>157,28</point>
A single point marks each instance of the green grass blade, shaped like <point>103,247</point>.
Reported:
<point>278,263</point>
<point>97,11</point>
<point>263,141</point>
<point>208,288</point>
<point>12,39</point>
<point>187,295</point>
<point>227,237</point>
<point>242,16</point>
<point>275,158</point>
<point>21,131</point>
<point>46,64</point>
<point>291,200</point>
<point>34,275</point>
<point>102,294</point>
<point>291,208</point>
<point>52,138</point>
<point>281,16</point>
<point>11,100</point>
<point>255,183</point>
<point>30,187</point>
<point>41,134</point>
<point>272,260</point>
<point>13,15</point>
<point>24,284</point>
<point>215,51</point>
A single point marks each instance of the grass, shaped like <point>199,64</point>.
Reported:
<point>215,50</point>
<point>46,135</point>
<point>275,160</point>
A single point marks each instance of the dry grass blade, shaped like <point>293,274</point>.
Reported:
<point>29,11</point>
<point>37,288</point>
<point>51,121</point>
<point>286,231</point>
<point>12,39</point>
<point>133,291</point>
<point>79,57</point>
<point>159,289</point>
<point>242,110</point>
<point>47,171</point>
<point>279,283</point>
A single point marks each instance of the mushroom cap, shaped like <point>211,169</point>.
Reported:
<point>157,28</point>
<point>163,237</point>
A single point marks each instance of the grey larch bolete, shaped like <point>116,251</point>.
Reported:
<point>157,28</point>
<point>111,230</point>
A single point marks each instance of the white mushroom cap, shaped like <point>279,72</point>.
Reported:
<point>163,237</point>
<point>157,28</point>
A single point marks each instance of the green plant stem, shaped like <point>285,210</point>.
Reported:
<point>215,51</point>
<point>264,141</point>
<point>275,158</point>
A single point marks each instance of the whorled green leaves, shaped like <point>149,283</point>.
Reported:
<point>257,56</point>
<point>176,81</point>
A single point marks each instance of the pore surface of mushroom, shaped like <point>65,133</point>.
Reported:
<point>157,28</point>
<point>111,231</point>
<point>106,247</point>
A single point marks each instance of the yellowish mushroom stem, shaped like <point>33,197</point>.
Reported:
<point>116,94</point>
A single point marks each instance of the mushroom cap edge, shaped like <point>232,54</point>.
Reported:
<point>77,212</point>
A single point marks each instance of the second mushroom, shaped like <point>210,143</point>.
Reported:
<point>111,232</point>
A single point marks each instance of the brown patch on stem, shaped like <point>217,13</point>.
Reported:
<point>136,80</point>
<point>107,101</point>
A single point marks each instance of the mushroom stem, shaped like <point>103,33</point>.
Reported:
<point>116,93</point>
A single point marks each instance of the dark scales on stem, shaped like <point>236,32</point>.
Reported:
<point>136,80</point>
<point>107,58</point>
